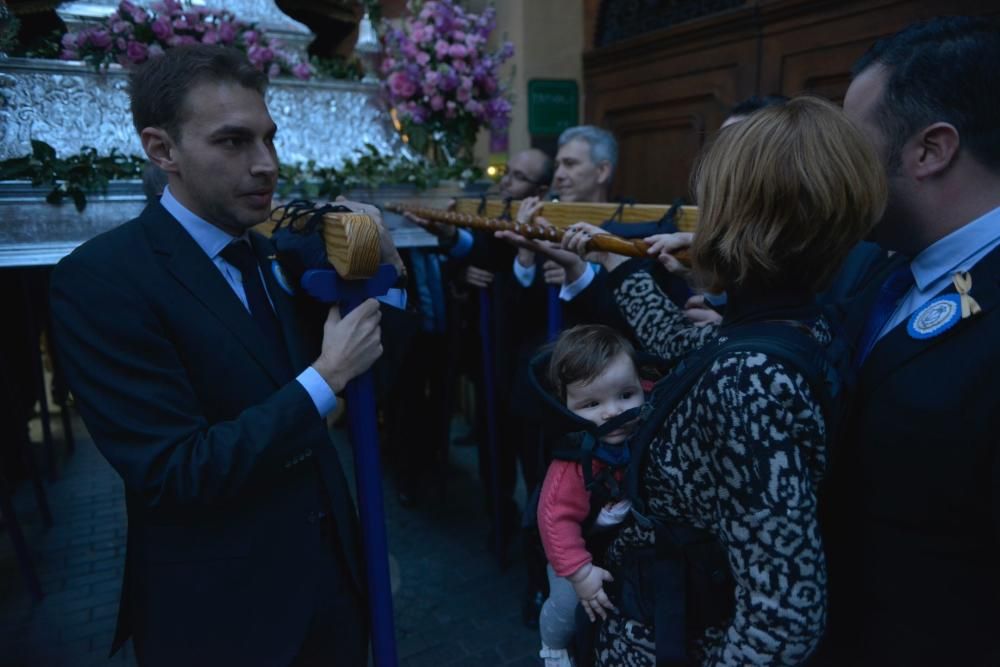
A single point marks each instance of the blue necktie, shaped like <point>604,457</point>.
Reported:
<point>241,256</point>
<point>897,284</point>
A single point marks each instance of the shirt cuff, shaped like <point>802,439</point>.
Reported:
<point>463,245</point>
<point>524,274</point>
<point>395,297</point>
<point>319,391</point>
<point>569,292</point>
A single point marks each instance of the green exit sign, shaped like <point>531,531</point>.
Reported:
<point>553,106</point>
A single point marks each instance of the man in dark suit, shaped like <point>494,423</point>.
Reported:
<point>915,537</point>
<point>195,381</point>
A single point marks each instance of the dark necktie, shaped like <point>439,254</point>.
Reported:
<point>241,256</point>
<point>897,284</point>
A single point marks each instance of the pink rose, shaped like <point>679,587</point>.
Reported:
<point>423,58</point>
<point>120,43</point>
<point>250,37</point>
<point>227,32</point>
<point>474,107</point>
<point>302,71</point>
<point>437,103</point>
<point>137,52</point>
<point>210,37</point>
<point>100,38</point>
<point>273,70</point>
<point>401,85</point>
<point>441,48</point>
<point>69,40</point>
<point>457,51</point>
<point>162,28</point>
<point>119,27</point>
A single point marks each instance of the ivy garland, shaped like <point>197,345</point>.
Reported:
<point>72,177</point>
<point>87,172</point>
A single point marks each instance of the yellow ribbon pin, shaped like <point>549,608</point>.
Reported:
<point>963,285</point>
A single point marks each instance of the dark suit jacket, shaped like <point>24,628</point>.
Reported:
<point>914,533</point>
<point>222,453</point>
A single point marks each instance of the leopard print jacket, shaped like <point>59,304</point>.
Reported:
<point>741,456</point>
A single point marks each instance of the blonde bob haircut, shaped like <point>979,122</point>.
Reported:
<point>784,195</point>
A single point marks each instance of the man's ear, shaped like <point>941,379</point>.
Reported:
<point>604,173</point>
<point>932,151</point>
<point>159,147</point>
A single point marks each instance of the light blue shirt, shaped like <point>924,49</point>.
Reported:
<point>212,240</point>
<point>934,267</point>
<point>463,245</point>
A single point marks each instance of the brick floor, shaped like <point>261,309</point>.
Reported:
<point>453,604</point>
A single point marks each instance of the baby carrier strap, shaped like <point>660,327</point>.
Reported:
<point>692,585</point>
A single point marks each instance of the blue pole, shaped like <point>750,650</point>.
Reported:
<point>326,286</point>
<point>489,380</point>
<point>555,313</point>
<point>368,472</point>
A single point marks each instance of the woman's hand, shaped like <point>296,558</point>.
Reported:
<point>570,262</point>
<point>662,247</point>
<point>528,208</point>
<point>579,235</point>
<point>588,582</point>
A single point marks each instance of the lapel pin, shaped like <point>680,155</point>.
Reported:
<point>963,285</point>
<point>943,312</point>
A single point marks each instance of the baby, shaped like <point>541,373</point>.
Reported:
<point>593,368</point>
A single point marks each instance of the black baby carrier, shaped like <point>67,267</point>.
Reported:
<point>683,584</point>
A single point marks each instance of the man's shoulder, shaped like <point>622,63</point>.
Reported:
<point>114,249</point>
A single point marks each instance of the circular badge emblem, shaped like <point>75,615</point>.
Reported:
<point>280,277</point>
<point>935,317</point>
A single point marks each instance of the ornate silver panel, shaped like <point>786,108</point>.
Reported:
<point>69,105</point>
<point>33,232</point>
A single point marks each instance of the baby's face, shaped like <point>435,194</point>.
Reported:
<point>611,393</point>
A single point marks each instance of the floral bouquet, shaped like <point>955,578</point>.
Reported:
<point>131,35</point>
<point>442,80</point>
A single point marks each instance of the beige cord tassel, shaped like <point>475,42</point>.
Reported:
<point>963,284</point>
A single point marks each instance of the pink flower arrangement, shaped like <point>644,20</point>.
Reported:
<point>131,35</point>
<point>440,76</point>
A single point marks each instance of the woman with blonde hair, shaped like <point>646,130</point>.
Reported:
<point>784,195</point>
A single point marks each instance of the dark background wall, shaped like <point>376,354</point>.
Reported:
<point>662,74</point>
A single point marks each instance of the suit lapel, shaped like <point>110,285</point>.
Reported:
<point>897,348</point>
<point>189,264</point>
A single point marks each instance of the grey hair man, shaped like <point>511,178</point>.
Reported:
<point>585,163</point>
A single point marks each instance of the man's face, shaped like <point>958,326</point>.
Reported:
<point>225,165</point>
<point>862,103</point>
<point>577,178</point>
<point>522,177</point>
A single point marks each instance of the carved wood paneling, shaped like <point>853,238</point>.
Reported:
<point>665,92</point>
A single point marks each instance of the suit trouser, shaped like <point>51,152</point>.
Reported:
<point>338,630</point>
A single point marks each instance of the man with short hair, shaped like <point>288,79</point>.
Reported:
<point>194,378</point>
<point>914,532</point>
<point>585,163</point>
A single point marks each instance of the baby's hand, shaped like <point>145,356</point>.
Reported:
<point>588,582</point>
